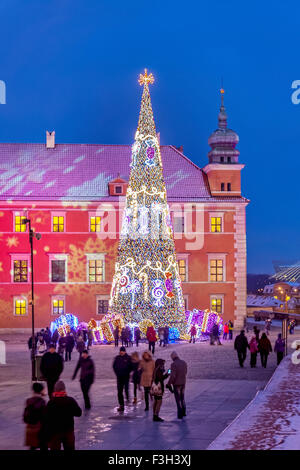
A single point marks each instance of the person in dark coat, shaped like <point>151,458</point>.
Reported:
<point>137,336</point>
<point>279,348</point>
<point>51,368</point>
<point>123,336</point>
<point>158,388</point>
<point>70,343</point>
<point>264,347</point>
<point>61,410</point>
<point>34,416</point>
<point>177,383</point>
<point>215,335</point>
<point>241,345</point>
<point>47,336</point>
<point>166,335</point>
<point>80,344</point>
<point>87,375</point>
<point>230,328</point>
<point>54,338</point>
<point>62,343</point>
<point>116,336</point>
<point>122,366</point>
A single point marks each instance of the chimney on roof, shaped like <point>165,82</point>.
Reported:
<point>180,148</point>
<point>50,140</point>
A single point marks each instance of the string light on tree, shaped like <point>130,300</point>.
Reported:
<point>146,284</point>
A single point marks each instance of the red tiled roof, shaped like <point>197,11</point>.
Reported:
<point>83,171</point>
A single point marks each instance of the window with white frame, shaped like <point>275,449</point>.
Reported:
<point>58,221</point>
<point>58,267</point>
<point>102,304</point>
<point>217,303</point>
<point>216,222</point>
<point>20,306</point>
<point>217,267</point>
<point>95,267</point>
<point>20,267</point>
<point>19,218</point>
<point>182,260</point>
<point>178,223</point>
<point>95,222</point>
<point>58,305</point>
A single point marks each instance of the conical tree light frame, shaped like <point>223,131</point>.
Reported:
<point>146,284</point>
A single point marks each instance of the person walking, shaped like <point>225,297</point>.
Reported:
<point>136,375</point>
<point>279,348</point>
<point>47,336</point>
<point>61,410</point>
<point>122,366</point>
<point>80,344</point>
<point>51,368</point>
<point>253,346</point>
<point>55,338</point>
<point>151,337</point>
<point>116,336</point>
<point>123,336</point>
<point>230,330</point>
<point>137,336</point>
<point>177,383</point>
<point>34,416</point>
<point>264,347</point>
<point>87,375</point>
<point>193,332</point>
<point>226,331</point>
<point>157,387</point>
<point>147,367</point>
<point>70,343</point>
<point>130,336</point>
<point>90,339</point>
<point>62,342</point>
<point>161,335</point>
<point>241,345</point>
<point>215,335</point>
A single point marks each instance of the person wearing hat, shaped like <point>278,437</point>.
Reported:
<point>51,367</point>
<point>122,366</point>
<point>34,416</point>
<point>61,410</point>
<point>87,374</point>
<point>157,387</point>
<point>177,383</point>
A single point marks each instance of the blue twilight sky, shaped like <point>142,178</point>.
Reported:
<point>72,66</point>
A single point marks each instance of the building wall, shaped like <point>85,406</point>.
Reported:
<point>197,246</point>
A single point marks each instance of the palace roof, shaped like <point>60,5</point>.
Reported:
<point>83,171</point>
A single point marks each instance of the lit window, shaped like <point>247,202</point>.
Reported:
<point>182,269</point>
<point>58,307</point>
<point>58,270</point>
<point>95,267</point>
<point>216,270</point>
<point>58,223</point>
<point>102,307</point>
<point>19,226</point>
<point>217,304</point>
<point>216,224</point>
<point>20,307</point>
<point>20,270</point>
<point>95,224</point>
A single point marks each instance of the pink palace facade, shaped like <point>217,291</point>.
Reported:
<point>74,193</point>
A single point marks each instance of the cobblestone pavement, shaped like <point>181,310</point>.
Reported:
<point>217,391</point>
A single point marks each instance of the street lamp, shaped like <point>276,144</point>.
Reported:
<point>38,236</point>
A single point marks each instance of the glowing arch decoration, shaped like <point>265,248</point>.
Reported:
<point>64,324</point>
<point>203,320</point>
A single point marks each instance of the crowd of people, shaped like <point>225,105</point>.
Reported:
<point>51,425</point>
<point>258,345</point>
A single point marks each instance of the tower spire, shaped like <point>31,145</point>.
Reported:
<point>146,124</point>
<point>222,118</point>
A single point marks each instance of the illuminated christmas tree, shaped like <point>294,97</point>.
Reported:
<point>146,284</point>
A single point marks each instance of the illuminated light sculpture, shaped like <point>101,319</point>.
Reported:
<point>146,285</point>
<point>204,321</point>
<point>64,324</point>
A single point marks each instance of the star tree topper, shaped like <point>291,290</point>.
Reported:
<point>145,79</point>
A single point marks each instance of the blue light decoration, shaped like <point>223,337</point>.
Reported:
<point>64,323</point>
<point>174,334</point>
